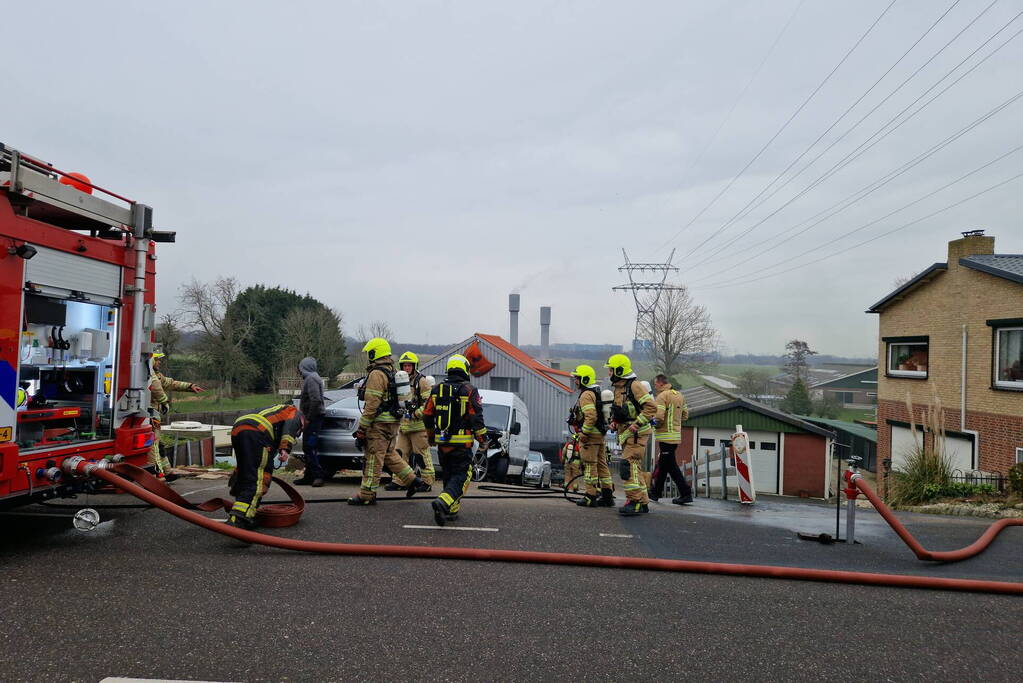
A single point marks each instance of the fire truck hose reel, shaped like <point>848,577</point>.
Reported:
<point>113,477</point>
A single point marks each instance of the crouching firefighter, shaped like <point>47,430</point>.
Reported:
<point>256,438</point>
<point>632,412</point>
<point>454,418</point>
<point>587,420</point>
<point>378,427</point>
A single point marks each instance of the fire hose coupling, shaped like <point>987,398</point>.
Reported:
<point>851,492</point>
<point>76,464</point>
<point>50,473</point>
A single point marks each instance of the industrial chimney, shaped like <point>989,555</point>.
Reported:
<point>513,311</point>
<point>545,333</point>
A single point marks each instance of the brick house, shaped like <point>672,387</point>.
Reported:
<point>955,333</point>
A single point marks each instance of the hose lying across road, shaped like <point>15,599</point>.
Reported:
<point>111,476</point>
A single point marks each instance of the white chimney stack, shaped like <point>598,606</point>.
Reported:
<point>545,333</point>
<point>513,311</point>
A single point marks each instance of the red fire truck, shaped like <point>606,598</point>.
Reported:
<point>77,275</point>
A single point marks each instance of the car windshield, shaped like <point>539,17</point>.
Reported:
<point>496,417</point>
<point>534,457</point>
<point>347,402</point>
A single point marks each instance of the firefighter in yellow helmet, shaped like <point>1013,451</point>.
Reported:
<point>413,443</point>
<point>589,426</point>
<point>632,413</point>
<point>160,388</point>
<point>454,418</point>
<point>378,427</point>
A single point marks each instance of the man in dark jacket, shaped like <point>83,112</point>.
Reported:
<point>313,409</point>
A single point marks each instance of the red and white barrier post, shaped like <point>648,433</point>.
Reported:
<point>743,471</point>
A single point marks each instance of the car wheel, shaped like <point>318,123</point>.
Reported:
<point>479,465</point>
<point>499,469</point>
<point>548,484</point>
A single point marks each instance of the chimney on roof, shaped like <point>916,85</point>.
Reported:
<point>545,333</point>
<point>971,243</point>
<point>513,312</point>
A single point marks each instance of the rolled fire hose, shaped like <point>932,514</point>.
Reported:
<point>533,557</point>
<point>922,553</point>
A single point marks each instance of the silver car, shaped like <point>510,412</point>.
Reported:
<point>537,471</point>
<point>337,439</point>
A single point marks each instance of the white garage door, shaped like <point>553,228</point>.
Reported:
<point>764,455</point>
<point>959,453</point>
<point>903,445</point>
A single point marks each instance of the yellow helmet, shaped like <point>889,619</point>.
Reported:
<point>586,374</point>
<point>409,357</point>
<point>158,355</point>
<point>458,362</point>
<point>22,397</point>
<point>620,365</point>
<point>377,348</point>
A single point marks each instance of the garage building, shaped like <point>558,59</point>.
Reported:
<point>789,455</point>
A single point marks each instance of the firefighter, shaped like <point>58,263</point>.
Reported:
<point>413,444</point>
<point>160,388</point>
<point>632,412</point>
<point>454,418</point>
<point>587,420</point>
<point>255,439</point>
<point>671,413</point>
<point>313,409</point>
<point>378,427</point>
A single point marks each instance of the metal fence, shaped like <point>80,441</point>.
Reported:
<point>992,479</point>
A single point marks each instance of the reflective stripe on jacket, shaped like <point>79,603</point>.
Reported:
<point>671,413</point>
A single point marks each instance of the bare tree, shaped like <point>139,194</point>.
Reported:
<point>205,307</point>
<point>901,280</point>
<point>377,328</point>
<point>168,332</point>
<point>796,354</point>
<point>313,332</point>
<point>752,383</point>
<point>681,334</point>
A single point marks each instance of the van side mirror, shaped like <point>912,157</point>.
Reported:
<point>516,428</point>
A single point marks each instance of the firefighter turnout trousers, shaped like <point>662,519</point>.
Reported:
<point>156,457</point>
<point>380,453</point>
<point>456,461</point>
<point>633,452</point>
<point>255,467</point>
<point>415,448</point>
<point>573,469</point>
<point>596,474</point>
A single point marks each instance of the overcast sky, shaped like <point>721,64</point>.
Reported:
<point>415,162</point>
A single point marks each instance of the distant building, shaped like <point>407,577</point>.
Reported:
<point>855,390</point>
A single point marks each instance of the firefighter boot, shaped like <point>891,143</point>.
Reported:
<point>588,501</point>
<point>239,522</point>
<point>417,486</point>
<point>392,486</point>
<point>607,499</point>
<point>634,508</point>
<point>440,512</point>
<point>358,500</point>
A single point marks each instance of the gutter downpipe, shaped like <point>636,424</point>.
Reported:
<point>962,385</point>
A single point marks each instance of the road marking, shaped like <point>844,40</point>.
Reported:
<point>617,535</point>
<point>208,488</point>
<point>453,528</point>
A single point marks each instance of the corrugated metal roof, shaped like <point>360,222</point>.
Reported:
<point>1008,266</point>
<point>706,401</point>
<point>548,373</point>
<point>853,428</point>
<point>854,380</point>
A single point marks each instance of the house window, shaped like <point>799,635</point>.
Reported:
<point>843,396</point>
<point>752,445</point>
<point>1009,357</point>
<point>907,356</point>
<point>1019,455</point>
<point>706,442</point>
<point>768,446</point>
<point>505,384</point>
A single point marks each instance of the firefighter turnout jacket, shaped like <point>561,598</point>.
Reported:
<point>453,415</point>
<point>671,413</point>
<point>414,421</point>
<point>380,394</point>
<point>633,404</point>
<point>160,387</point>
<point>587,416</point>
<point>276,427</point>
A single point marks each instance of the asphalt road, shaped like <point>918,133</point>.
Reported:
<point>150,596</point>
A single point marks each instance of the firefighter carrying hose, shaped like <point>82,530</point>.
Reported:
<point>632,412</point>
<point>589,427</point>
<point>256,438</point>
<point>378,427</point>
<point>454,418</point>
<point>413,443</point>
<point>160,387</point>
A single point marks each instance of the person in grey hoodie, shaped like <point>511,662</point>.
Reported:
<point>311,404</point>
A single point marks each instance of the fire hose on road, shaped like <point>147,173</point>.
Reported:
<point>110,473</point>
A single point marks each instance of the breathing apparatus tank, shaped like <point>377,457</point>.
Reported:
<point>403,387</point>
<point>607,398</point>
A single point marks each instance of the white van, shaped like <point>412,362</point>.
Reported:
<point>507,422</point>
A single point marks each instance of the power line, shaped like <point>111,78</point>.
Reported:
<point>864,242</point>
<point>870,142</point>
<point>783,127</point>
<point>870,188</point>
<point>748,208</point>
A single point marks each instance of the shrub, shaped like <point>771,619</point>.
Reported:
<point>1016,479</point>
<point>924,475</point>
